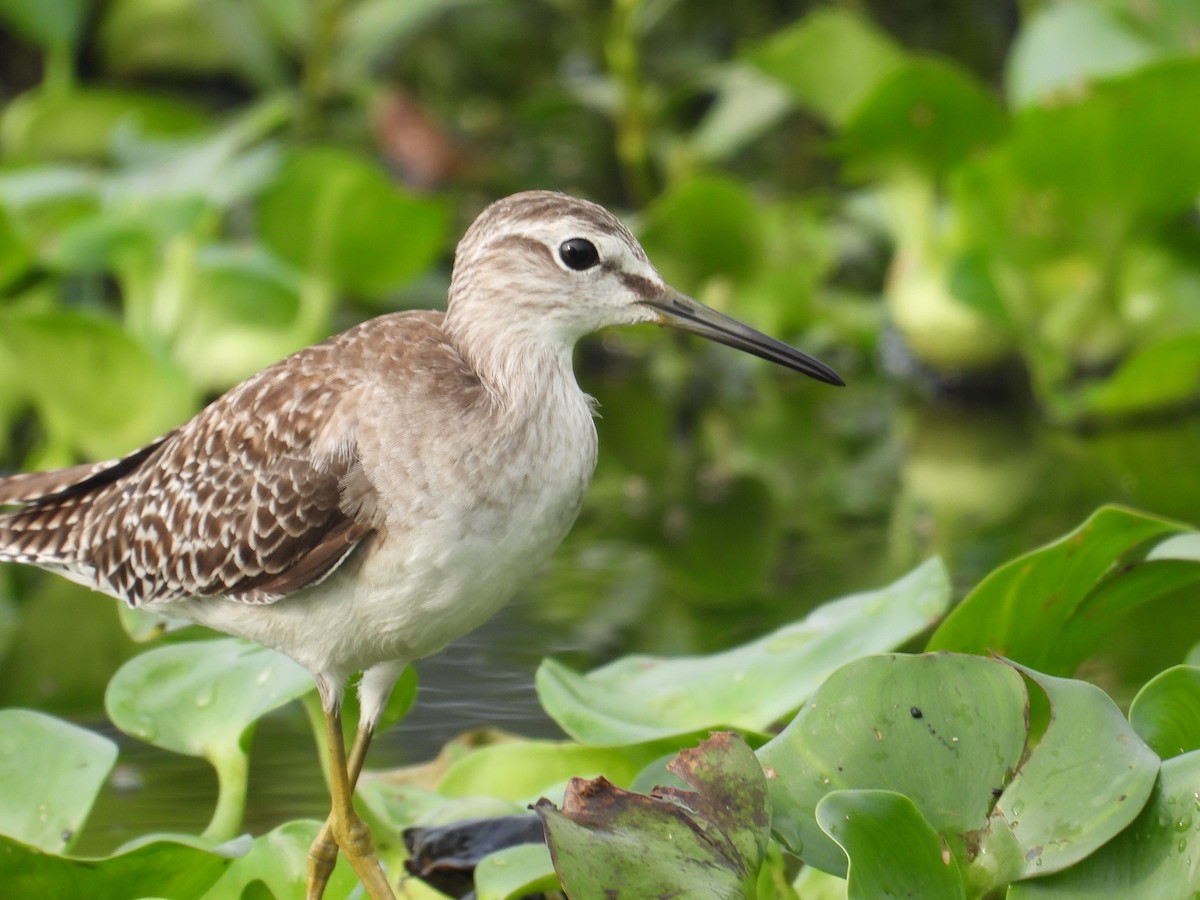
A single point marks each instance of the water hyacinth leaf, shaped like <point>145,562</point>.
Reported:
<point>829,61</point>
<point>1034,608</point>
<point>1157,376</point>
<point>1118,156</point>
<point>278,860</point>
<point>52,24</point>
<point>708,842</point>
<point>81,124</point>
<point>523,770</point>
<point>639,698</point>
<point>342,220</point>
<point>244,312</point>
<point>945,730</point>
<point>1158,855</point>
<point>224,685</point>
<point>157,868</point>
<point>1064,46</point>
<point>144,396</point>
<point>892,850</point>
<point>515,873</point>
<point>926,115</point>
<point>50,774</point>
<point>703,227</point>
<point>1166,712</point>
<point>201,698</point>
<point>1084,781</point>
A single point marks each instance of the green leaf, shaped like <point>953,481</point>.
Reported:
<point>926,115</point>
<point>50,774</point>
<point>522,770</point>
<point>15,255</point>
<point>48,23</point>
<point>1085,780</point>
<point>829,61</point>
<point>279,861</point>
<point>339,219</point>
<point>1079,176</point>
<point>641,698</point>
<point>893,851</point>
<point>945,730</point>
<point>159,868</point>
<point>201,698</point>
<point>1158,855</point>
<point>1166,712</point>
<point>1157,376</point>
<point>143,397</point>
<point>515,873</point>
<point>710,842</point>
<point>243,312</point>
<point>1048,608</point>
<point>81,124</point>
<point>1065,45</point>
<point>704,227</point>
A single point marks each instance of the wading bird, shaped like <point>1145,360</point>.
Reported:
<point>369,499</point>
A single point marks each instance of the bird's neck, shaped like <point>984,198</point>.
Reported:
<point>521,367</point>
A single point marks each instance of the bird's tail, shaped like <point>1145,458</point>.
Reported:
<point>45,509</point>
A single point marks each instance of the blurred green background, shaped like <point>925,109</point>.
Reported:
<point>983,214</point>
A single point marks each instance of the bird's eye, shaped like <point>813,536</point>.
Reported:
<point>579,254</point>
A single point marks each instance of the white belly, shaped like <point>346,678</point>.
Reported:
<point>431,577</point>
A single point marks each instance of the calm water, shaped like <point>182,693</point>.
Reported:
<point>716,515</point>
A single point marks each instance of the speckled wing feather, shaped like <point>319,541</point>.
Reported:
<point>245,500</point>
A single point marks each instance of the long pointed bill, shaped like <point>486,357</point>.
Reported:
<point>679,311</point>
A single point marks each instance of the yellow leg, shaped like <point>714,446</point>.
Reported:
<point>344,829</point>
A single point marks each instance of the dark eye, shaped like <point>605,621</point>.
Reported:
<point>579,254</point>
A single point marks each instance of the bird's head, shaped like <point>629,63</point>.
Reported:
<point>544,266</point>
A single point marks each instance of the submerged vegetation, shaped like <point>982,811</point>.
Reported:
<point>1000,253</point>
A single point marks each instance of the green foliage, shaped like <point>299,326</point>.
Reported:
<point>52,772</point>
<point>639,699</point>
<point>191,190</point>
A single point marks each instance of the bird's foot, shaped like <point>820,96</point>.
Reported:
<point>322,857</point>
<point>352,837</point>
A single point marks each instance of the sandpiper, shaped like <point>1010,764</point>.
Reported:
<point>369,499</point>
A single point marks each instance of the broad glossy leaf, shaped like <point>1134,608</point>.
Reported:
<point>80,124</point>
<point>197,696</point>
<point>50,774</point>
<point>201,698</point>
<point>641,698</point>
<point>1157,376</point>
<point>158,868</point>
<point>1036,608</point>
<point>522,770</point>
<point>334,216</point>
<point>49,23</point>
<point>143,396</point>
<point>15,255</point>
<point>829,61</point>
<point>244,312</point>
<point>279,861</point>
<point>925,116</point>
<point>1065,45</point>
<point>710,842</point>
<point>1166,712</point>
<point>1158,855</point>
<point>515,873</point>
<point>1071,175</point>
<point>704,227</point>
<point>1084,781</point>
<point>945,730</point>
<point>893,851</point>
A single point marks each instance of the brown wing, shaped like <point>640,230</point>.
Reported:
<point>244,500</point>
